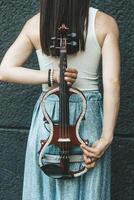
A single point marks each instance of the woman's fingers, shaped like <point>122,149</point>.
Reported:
<point>69,79</point>
<point>87,148</point>
<point>88,160</point>
<point>89,163</point>
<point>91,151</point>
<point>89,166</point>
<point>94,150</point>
<point>72,70</point>
<point>91,154</point>
<point>70,75</point>
<point>69,83</point>
<point>87,153</point>
<point>89,157</point>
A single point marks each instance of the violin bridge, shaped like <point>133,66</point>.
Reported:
<point>64,140</point>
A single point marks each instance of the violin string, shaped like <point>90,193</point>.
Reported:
<point>68,124</point>
<point>67,114</point>
<point>67,148</point>
<point>64,116</point>
<point>67,119</point>
<point>60,134</point>
<point>63,113</point>
<point>62,119</point>
<point>61,125</point>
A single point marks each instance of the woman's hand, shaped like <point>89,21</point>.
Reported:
<point>92,154</point>
<point>70,75</point>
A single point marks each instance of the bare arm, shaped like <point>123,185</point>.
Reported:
<point>111,81</point>
<point>12,70</point>
<point>111,101</point>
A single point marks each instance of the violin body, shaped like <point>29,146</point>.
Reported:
<point>62,134</point>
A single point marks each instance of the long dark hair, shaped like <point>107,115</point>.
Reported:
<point>73,13</point>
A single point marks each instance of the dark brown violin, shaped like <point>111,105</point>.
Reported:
<point>62,134</point>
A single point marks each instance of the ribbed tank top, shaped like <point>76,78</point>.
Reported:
<point>86,62</point>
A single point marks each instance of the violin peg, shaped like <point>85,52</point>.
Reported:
<point>53,38</point>
<point>52,47</point>
<point>72,35</point>
<point>73,43</point>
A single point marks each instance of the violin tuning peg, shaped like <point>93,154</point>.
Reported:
<point>73,35</point>
<point>73,43</point>
<point>52,47</point>
<point>53,38</point>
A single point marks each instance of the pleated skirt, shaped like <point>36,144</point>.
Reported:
<point>95,184</point>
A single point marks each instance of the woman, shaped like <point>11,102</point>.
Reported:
<point>97,34</point>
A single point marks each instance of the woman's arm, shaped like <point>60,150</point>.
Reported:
<point>111,89</point>
<point>12,70</point>
<point>111,81</point>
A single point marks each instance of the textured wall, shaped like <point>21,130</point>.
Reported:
<point>17,101</point>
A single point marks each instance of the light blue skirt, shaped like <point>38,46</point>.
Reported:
<point>95,184</point>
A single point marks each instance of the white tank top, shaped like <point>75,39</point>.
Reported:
<point>86,62</point>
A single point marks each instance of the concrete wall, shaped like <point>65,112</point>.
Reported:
<point>17,101</point>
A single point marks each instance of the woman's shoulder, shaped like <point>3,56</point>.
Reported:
<point>108,21</point>
<point>34,20</point>
<point>105,24</point>
<point>32,30</point>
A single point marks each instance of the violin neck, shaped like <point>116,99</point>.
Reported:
<point>64,97</point>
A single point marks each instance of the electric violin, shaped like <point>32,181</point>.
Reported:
<point>62,134</point>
